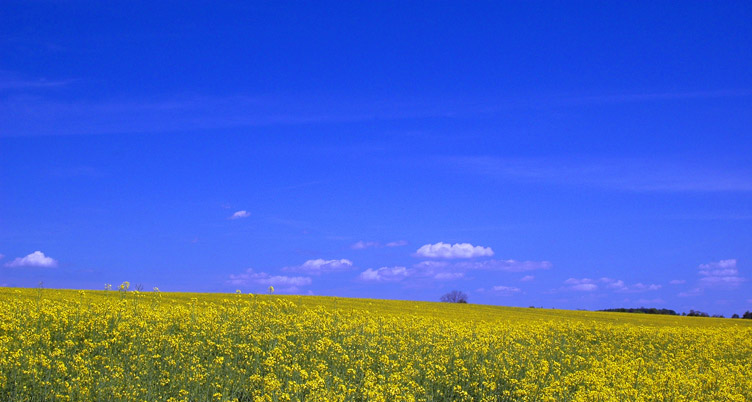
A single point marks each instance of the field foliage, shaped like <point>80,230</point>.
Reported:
<point>65,345</point>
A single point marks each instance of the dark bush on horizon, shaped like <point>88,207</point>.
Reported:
<point>693,313</point>
<point>454,296</point>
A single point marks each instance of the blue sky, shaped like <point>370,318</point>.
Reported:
<point>558,154</point>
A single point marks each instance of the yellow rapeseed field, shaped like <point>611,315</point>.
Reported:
<point>66,345</point>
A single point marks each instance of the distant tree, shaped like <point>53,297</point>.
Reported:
<point>454,296</point>
<point>747,315</point>
<point>693,313</point>
<point>735,315</point>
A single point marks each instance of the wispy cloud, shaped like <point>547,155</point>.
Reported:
<point>41,116</point>
<point>658,96</point>
<point>457,250</point>
<point>626,174</point>
<point>720,274</point>
<point>677,282</point>
<point>320,266</point>
<point>656,301</point>
<point>692,293</point>
<point>240,215</point>
<point>442,270</point>
<point>426,270</point>
<point>506,290</point>
<point>397,243</point>
<point>449,276</point>
<point>10,82</point>
<point>581,285</point>
<point>385,274</point>
<point>608,284</point>
<point>25,115</point>
<point>527,278</point>
<point>505,265</point>
<point>35,259</point>
<point>361,244</point>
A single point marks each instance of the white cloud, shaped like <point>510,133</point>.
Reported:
<point>262,278</point>
<point>321,266</point>
<point>397,243</point>
<point>370,275</point>
<point>678,282</point>
<point>360,245</point>
<point>35,259</point>
<point>457,250</point>
<point>240,215</point>
<point>527,278</point>
<point>448,276</point>
<point>385,274</point>
<point>720,274</point>
<point>506,290</point>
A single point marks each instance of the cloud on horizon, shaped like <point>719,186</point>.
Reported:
<point>285,284</point>
<point>35,259</point>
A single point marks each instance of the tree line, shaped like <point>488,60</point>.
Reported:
<point>692,313</point>
<point>457,296</point>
